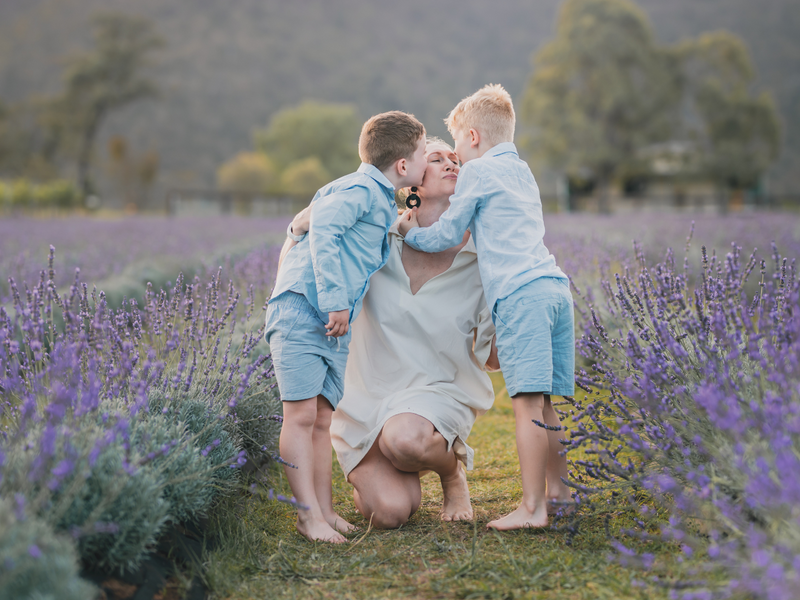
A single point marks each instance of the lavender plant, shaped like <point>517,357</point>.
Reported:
<point>34,561</point>
<point>118,421</point>
<point>692,397</point>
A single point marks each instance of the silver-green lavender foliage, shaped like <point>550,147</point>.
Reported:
<point>35,563</point>
<point>116,422</point>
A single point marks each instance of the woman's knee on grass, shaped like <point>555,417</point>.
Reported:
<point>408,439</point>
<point>387,512</point>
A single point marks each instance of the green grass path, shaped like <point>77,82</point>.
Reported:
<point>266,558</point>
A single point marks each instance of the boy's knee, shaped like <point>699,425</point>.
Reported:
<point>302,413</point>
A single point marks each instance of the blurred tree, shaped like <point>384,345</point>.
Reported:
<point>304,177</point>
<point>600,91</point>
<point>739,134</point>
<point>327,131</point>
<point>251,172</point>
<point>109,77</point>
<point>134,175</point>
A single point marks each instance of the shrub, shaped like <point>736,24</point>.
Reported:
<point>302,178</point>
<point>84,442</point>
<point>35,563</point>
<point>251,172</point>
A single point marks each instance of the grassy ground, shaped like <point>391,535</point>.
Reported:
<point>262,556</point>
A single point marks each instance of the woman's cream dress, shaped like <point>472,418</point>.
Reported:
<point>417,353</point>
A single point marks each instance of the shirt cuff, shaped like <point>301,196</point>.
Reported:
<point>411,237</point>
<point>292,236</point>
<point>329,302</point>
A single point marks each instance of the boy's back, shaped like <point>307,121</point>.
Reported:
<point>497,198</point>
<point>347,243</point>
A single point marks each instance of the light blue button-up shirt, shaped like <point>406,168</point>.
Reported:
<point>497,198</point>
<point>346,243</point>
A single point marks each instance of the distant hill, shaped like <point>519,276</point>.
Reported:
<point>228,66</point>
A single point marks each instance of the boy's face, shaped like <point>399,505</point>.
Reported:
<point>465,144</point>
<point>416,165</point>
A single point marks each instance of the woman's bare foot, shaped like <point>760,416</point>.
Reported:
<point>521,518</point>
<point>339,524</point>
<point>318,530</point>
<point>456,505</point>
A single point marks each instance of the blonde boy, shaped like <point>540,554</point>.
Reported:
<point>498,200</point>
<point>320,286</point>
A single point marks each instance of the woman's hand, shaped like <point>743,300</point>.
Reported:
<point>302,221</point>
<point>493,362</point>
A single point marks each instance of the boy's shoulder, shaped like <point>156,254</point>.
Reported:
<point>367,177</point>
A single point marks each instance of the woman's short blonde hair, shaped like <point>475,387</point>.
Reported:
<point>489,111</point>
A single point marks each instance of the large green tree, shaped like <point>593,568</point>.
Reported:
<point>601,90</point>
<point>738,133</point>
<point>112,75</point>
<point>328,132</point>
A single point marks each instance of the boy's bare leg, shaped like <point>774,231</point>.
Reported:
<point>412,444</point>
<point>532,450</point>
<point>297,447</point>
<point>557,492</point>
<point>322,466</point>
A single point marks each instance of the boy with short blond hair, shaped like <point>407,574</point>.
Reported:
<point>320,286</point>
<point>497,198</point>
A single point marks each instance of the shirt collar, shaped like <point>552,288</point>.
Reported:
<point>502,148</point>
<point>373,172</point>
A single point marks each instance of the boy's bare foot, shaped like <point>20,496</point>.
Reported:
<point>339,524</point>
<point>521,518</point>
<point>319,530</point>
<point>456,505</point>
<point>561,506</point>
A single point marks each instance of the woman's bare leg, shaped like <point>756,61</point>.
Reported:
<point>532,450</point>
<point>411,443</point>
<point>383,494</point>
<point>323,485</point>
<point>297,447</point>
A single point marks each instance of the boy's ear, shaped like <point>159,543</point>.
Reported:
<point>474,138</point>
<point>401,167</point>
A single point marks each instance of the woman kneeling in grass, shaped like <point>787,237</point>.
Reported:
<point>415,379</point>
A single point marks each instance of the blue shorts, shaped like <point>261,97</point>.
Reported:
<point>306,361</point>
<point>536,338</point>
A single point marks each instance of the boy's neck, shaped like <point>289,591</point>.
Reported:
<point>394,178</point>
<point>482,149</point>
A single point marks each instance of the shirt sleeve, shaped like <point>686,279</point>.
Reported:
<point>331,217</point>
<point>449,230</point>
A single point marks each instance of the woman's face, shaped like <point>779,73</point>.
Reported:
<point>441,172</point>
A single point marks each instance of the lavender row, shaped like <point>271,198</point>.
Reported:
<point>691,373</point>
<point>117,422</point>
<point>103,249</point>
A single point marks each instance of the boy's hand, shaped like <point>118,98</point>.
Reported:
<point>302,221</point>
<point>338,323</point>
<point>408,221</point>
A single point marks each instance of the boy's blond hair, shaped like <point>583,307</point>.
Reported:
<point>388,137</point>
<point>489,111</point>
